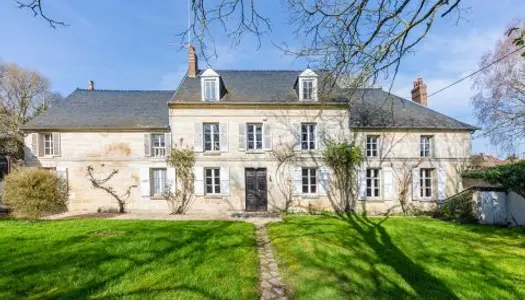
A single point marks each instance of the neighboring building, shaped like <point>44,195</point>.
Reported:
<point>235,120</point>
<point>484,160</point>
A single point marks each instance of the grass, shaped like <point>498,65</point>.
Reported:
<point>398,258</point>
<point>115,259</point>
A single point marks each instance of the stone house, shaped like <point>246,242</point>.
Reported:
<point>238,122</point>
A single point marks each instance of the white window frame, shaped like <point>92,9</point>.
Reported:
<point>215,137</point>
<point>214,174</point>
<point>213,88</point>
<point>371,141</point>
<point>309,180</point>
<point>311,137</point>
<point>48,144</point>
<point>158,181</point>
<point>425,146</point>
<point>426,182</point>
<point>158,144</point>
<point>254,136</point>
<point>373,183</point>
<point>308,92</point>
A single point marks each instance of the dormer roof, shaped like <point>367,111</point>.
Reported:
<point>209,72</point>
<point>308,73</point>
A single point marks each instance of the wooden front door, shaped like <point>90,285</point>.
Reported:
<point>256,190</point>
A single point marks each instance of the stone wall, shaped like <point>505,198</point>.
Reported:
<point>124,151</point>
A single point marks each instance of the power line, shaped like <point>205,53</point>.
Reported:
<point>476,72</point>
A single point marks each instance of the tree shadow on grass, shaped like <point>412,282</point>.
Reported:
<point>98,266</point>
<point>375,236</point>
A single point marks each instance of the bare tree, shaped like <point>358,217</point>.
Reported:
<point>360,37</point>
<point>24,94</point>
<point>500,102</point>
<point>180,196</point>
<point>102,185</point>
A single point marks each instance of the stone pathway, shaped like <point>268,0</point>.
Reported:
<point>270,286</point>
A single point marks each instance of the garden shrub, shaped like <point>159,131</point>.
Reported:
<point>33,193</point>
<point>510,177</point>
<point>459,209</point>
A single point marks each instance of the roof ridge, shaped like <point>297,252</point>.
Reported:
<point>122,91</point>
<point>256,70</point>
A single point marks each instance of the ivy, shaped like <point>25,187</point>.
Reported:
<point>510,177</point>
<point>344,159</point>
<point>183,159</point>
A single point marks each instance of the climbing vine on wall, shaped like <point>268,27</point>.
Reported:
<point>180,196</point>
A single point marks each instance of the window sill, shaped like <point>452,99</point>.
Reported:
<point>156,197</point>
<point>310,196</point>
<point>425,200</point>
<point>255,151</point>
<point>211,153</point>
<point>372,200</point>
<point>213,196</point>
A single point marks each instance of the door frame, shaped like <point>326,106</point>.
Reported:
<point>246,189</point>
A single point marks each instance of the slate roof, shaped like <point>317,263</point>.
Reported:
<point>371,108</point>
<point>107,109</point>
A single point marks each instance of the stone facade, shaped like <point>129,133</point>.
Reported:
<point>398,153</point>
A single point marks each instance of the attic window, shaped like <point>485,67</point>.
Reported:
<point>210,87</point>
<point>307,88</point>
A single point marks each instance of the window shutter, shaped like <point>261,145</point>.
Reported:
<point>167,141</point>
<point>267,131</point>
<point>147,145</point>
<point>324,181</point>
<point>321,136</point>
<point>62,173</point>
<point>416,185</point>
<point>242,137</point>
<point>144,182</point>
<point>361,178</point>
<point>223,132</point>
<point>384,146</point>
<point>442,184</point>
<point>197,137</point>
<point>388,184</point>
<point>40,145</point>
<point>296,128</point>
<point>56,144</point>
<point>199,181</point>
<point>34,144</point>
<point>225,180</point>
<point>298,181</point>
<point>171,179</point>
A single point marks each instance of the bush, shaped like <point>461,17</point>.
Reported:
<point>459,209</point>
<point>33,193</point>
<point>510,177</point>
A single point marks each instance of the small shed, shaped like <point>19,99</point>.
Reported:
<point>494,206</point>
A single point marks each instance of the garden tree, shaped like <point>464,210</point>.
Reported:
<point>499,103</point>
<point>24,94</point>
<point>360,37</point>
<point>343,158</point>
<point>102,184</point>
<point>285,156</point>
<point>180,195</point>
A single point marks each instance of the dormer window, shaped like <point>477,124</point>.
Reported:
<point>307,86</point>
<point>308,89</point>
<point>210,85</point>
<point>210,89</point>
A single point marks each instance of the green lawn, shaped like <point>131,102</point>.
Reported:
<point>112,259</point>
<point>398,258</point>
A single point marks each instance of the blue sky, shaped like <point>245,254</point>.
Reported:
<point>123,44</point>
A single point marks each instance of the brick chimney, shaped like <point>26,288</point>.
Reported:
<point>193,67</point>
<point>91,85</point>
<point>419,92</point>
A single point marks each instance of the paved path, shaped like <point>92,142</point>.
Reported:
<point>271,286</point>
